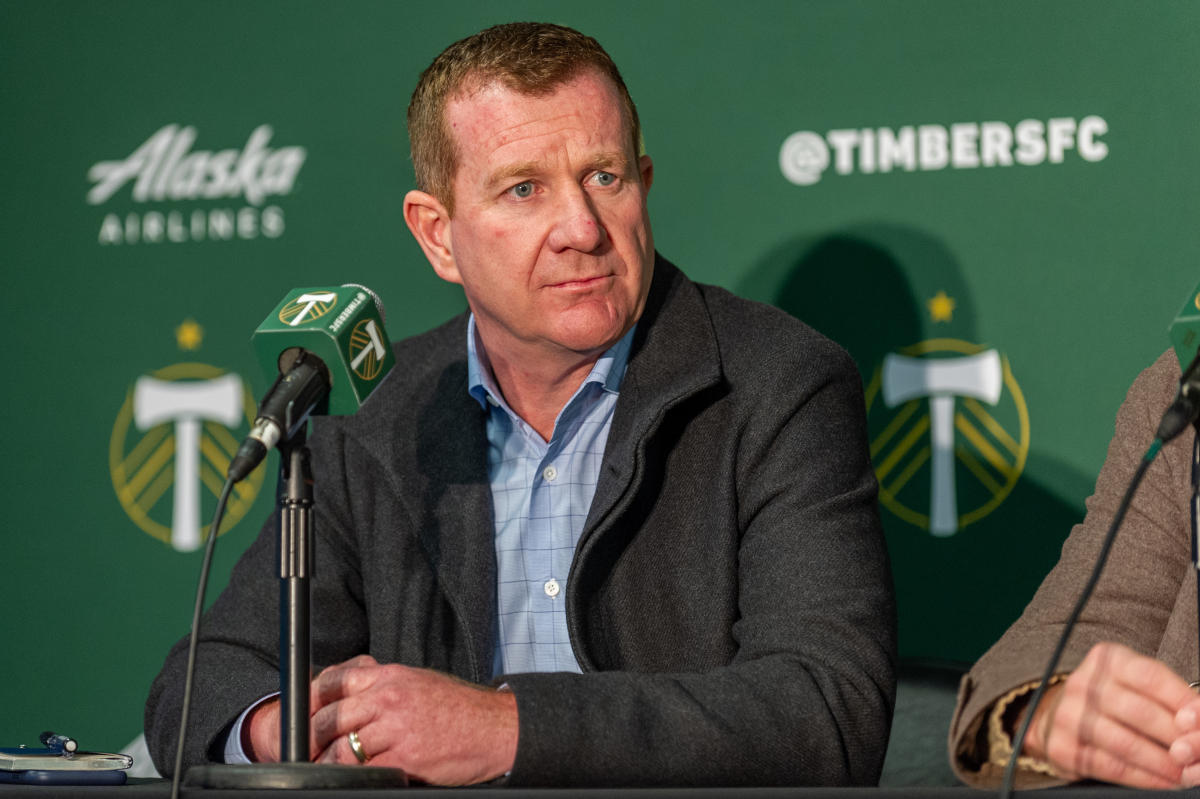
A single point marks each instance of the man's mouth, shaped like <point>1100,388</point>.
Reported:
<point>580,283</point>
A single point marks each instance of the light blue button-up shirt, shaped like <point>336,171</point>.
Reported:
<point>541,493</point>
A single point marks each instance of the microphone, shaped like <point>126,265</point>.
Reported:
<point>1185,336</point>
<point>330,350</point>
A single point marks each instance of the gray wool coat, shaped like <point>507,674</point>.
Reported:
<point>729,601</point>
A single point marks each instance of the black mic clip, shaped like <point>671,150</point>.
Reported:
<point>1186,408</point>
<point>301,389</point>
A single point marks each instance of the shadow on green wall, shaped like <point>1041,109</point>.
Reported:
<point>875,289</point>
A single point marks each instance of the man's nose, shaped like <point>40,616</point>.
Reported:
<point>577,225</point>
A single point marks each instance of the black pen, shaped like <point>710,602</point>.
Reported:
<point>59,743</point>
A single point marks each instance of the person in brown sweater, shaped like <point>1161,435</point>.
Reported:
<point>1120,707</point>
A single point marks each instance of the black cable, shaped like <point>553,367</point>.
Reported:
<point>205,567</point>
<point>1019,741</point>
<point>1195,503</point>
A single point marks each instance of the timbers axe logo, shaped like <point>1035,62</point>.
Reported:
<point>170,449</point>
<point>367,350</point>
<point>307,308</point>
<point>949,433</point>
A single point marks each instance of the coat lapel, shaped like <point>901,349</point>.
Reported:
<point>456,528</point>
<point>674,356</point>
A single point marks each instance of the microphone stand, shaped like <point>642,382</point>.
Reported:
<point>295,568</point>
<point>295,525</point>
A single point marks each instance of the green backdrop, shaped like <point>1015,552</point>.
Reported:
<point>1013,178</point>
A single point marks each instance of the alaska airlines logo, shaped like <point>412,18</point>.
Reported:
<point>950,433</point>
<point>165,169</point>
<point>171,445</point>
<point>805,156</point>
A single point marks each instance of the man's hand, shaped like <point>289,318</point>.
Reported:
<point>1186,748</point>
<point>437,728</point>
<point>1114,719</point>
<point>260,732</point>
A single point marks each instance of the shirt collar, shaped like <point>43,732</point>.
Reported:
<point>608,371</point>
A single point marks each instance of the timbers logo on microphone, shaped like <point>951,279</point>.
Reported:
<point>341,325</point>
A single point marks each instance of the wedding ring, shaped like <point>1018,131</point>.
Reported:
<point>356,746</point>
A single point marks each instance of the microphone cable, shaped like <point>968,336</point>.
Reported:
<point>1183,412</point>
<point>1010,770</point>
<point>1174,421</point>
<point>205,567</point>
<point>1195,508</point>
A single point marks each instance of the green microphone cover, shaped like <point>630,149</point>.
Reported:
<point>1185,330</point>
<point>341,325</point>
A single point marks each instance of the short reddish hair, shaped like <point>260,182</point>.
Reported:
<point>532,58</point>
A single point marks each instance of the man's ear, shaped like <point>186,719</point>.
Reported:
<point>429,222</point>
<point>646,169</point>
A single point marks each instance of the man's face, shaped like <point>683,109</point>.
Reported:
<point>550,238</point>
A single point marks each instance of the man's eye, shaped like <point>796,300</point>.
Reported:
<point>605,178</point>
<point>522,190</point>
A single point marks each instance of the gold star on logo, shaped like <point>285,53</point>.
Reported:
<point>941,307</point>
<point>189,335</point>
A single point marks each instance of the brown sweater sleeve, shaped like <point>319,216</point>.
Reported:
<point>1135,596</point>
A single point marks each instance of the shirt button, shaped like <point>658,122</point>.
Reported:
<point>495,403</point>
<point>550,473</point>
<point>551,588</point>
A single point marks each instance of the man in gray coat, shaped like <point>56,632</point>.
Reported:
<point>610,528</point>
